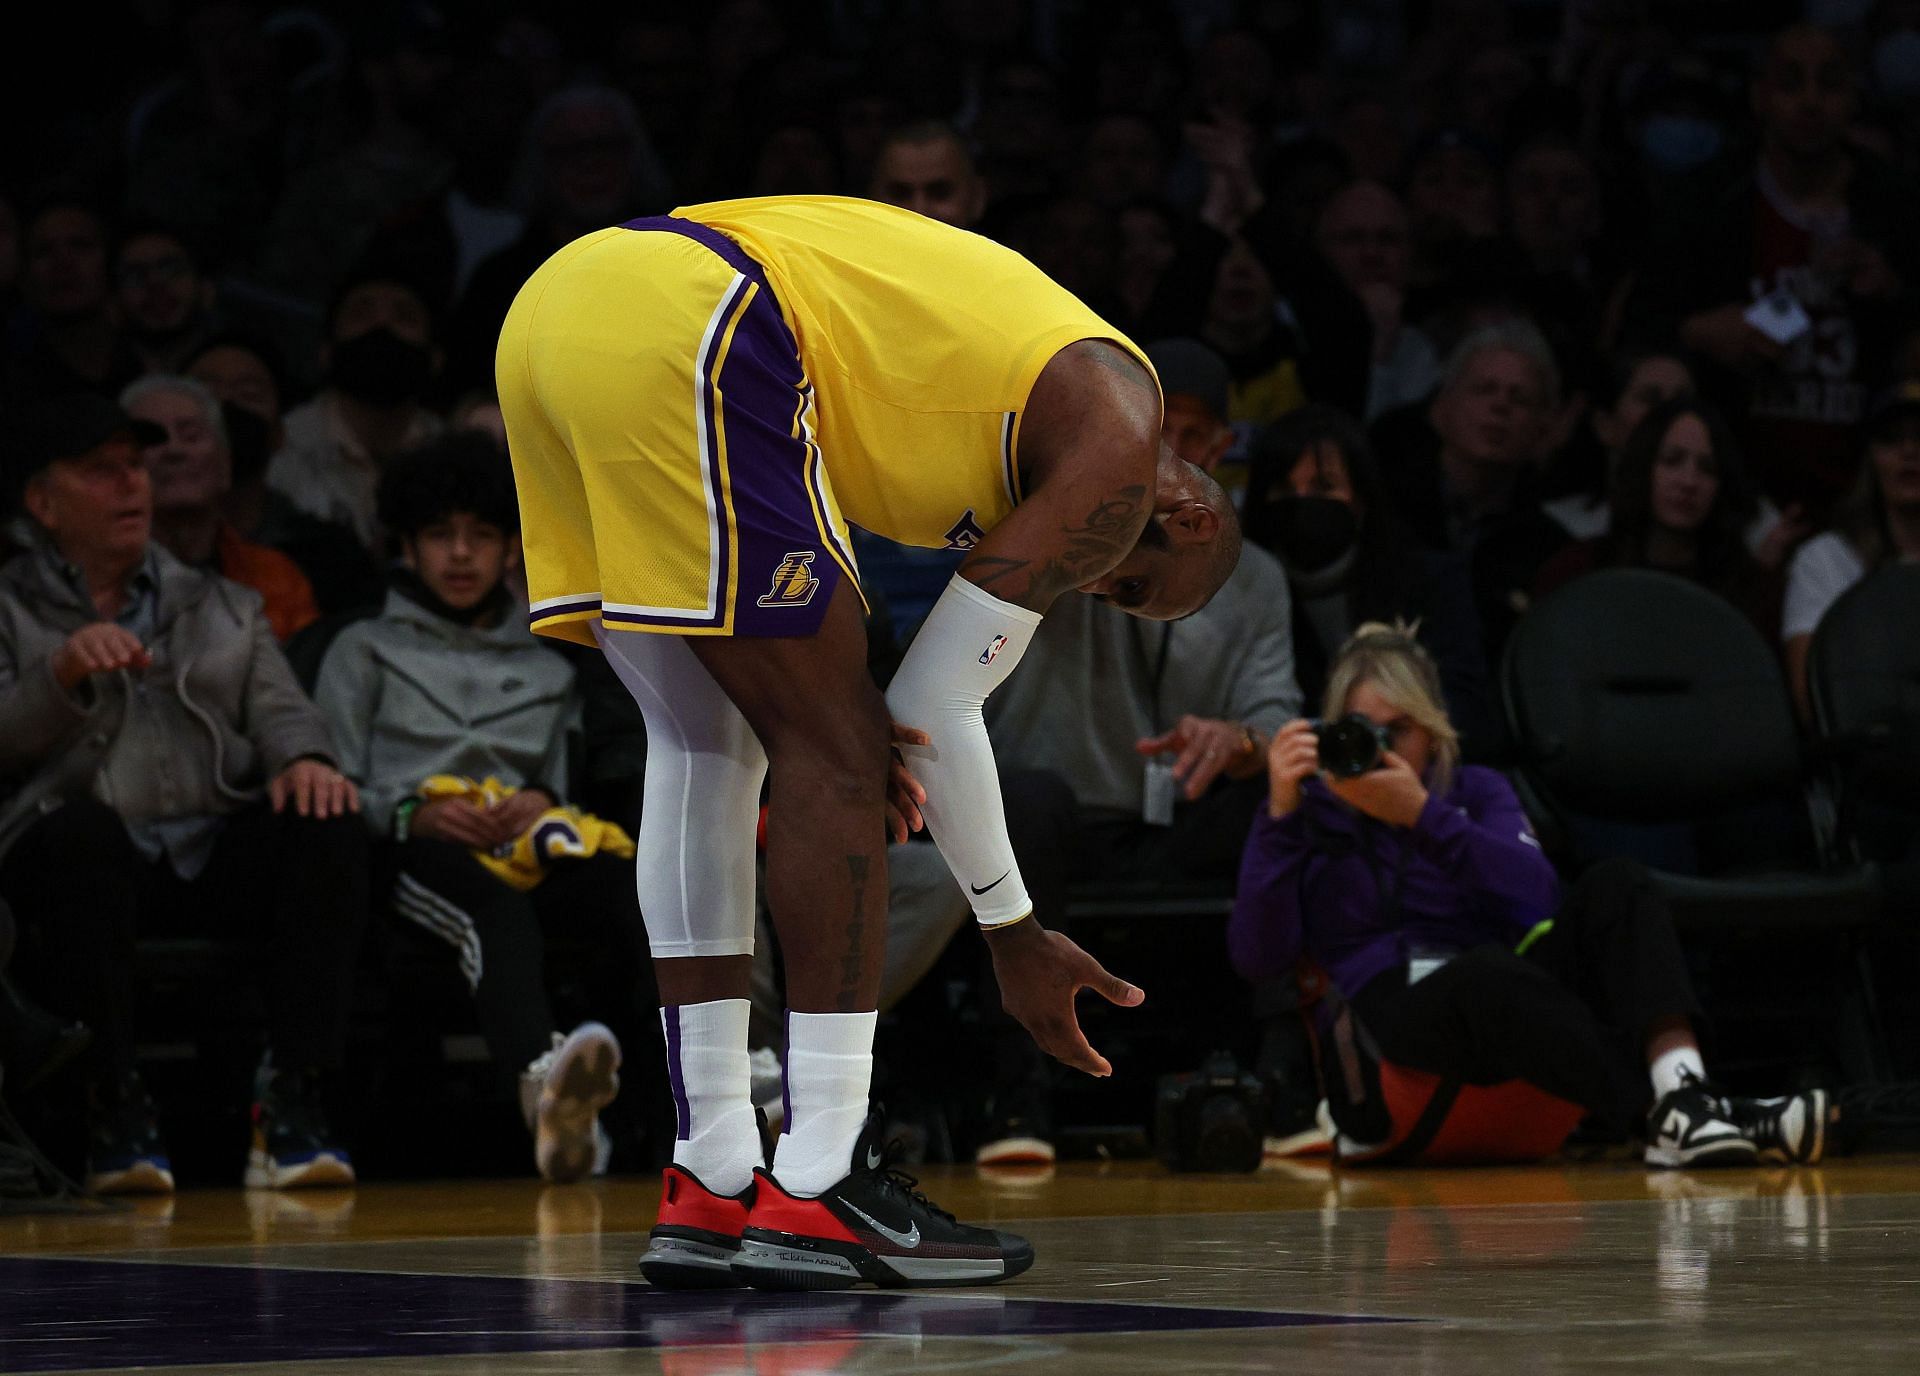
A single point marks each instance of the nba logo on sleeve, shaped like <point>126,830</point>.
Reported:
<point>793,582</point>
<point>965,533</point>
<point>993,649</point>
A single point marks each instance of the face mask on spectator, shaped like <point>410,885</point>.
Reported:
<point>1896,66</point>
<point>1679,143</point>
<point>1311,532</point>
<point>380,368</point>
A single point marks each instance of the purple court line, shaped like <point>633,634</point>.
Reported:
<point>61,1314</point>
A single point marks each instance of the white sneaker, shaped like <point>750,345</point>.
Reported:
<point>562,1093</point>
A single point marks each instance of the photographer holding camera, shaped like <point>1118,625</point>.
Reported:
<point>1417,886</point>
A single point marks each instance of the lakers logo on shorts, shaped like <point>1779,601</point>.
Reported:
<point>793,581</point>
<point>966,532</point>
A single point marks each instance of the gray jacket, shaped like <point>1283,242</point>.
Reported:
<point>196,734</point>
<point>1096,680</point>
<point>410,694</point>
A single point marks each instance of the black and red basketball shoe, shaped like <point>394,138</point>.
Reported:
<point>874,1225</point>
<point>693,1245</point>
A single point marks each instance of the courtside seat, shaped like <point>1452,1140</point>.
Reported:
<point>1863,679</point>
<point>1637,697</point>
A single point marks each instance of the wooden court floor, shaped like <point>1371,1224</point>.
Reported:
<point>1600,1267</point>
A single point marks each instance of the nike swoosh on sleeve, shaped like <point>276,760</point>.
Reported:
<point>996,883</point>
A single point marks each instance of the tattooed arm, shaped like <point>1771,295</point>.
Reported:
<point>1090,438</point>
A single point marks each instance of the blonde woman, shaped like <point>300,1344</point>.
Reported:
<point>1415,883</point>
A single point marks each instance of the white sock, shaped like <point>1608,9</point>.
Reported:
<point>1667,1066</point>
<point>829,1071</point>
<point>715,1136</point>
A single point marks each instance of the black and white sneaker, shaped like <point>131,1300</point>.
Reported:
<point>1787,1131</point>
<point>874,1226</point>
<point>1694,1126</point>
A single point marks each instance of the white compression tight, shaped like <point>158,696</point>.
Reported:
<point>694,868</point>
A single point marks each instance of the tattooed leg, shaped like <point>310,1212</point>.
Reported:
<point>826,733</point>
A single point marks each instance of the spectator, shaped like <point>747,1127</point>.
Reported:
<point>340,570</point>
<point>1828,234</point>
<point>1243,325</point>
<point>381,357</point>
<point>168,777</point>
<point>1492,417</point>
<point>1362,232</point>
<point>1682,504</point>
<point>1150,237</point>
<point>586,163</point>
<point>164,300</point>
<point>389,163</point>
<point>927,169</point>
<point>1317,502</point>
<point>1122,160</point>
<point>1554,210</point>
<point>1453,203</point>
<point>1878,524</point>
<point>1194,385</point>
<point>71,342</point>
<point>1640,382</point>
<point>191,474</point>
<point>1419,890</point>
<point>448,681</point>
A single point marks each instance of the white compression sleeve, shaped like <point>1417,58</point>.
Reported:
<point>967,646</point>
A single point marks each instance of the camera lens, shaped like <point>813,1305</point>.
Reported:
<point>1349,747</point>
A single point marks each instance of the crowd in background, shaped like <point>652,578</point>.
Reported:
<point>1462,300</point>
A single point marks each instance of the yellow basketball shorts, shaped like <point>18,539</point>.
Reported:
<point>660,423</point>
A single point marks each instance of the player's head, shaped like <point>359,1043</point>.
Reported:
<point>1186,551</point>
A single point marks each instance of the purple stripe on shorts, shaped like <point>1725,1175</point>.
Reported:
<point>787,573</point>
<point>786,1079</point>
<point>735,257</point>
<point>676,1077</point>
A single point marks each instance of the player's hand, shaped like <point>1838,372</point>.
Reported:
<point>511,816</point>
<point>1725,335</point>
<point>1293,757</point>
<point>456,820</point>
<point>1040,972</point>
<point>904,792</point>
<point>315,789</point>
<point>1206,748</point>
<point>1392,793</point>
<point>101,648</point>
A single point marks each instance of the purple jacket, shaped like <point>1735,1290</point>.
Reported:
<point>1469,872</point>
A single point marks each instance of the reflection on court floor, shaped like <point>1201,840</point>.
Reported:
<point>1559,1269</point>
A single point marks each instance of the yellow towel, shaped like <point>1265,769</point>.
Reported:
<point>559,832</point>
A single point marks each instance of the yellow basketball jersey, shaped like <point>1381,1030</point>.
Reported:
<point>921,343</point>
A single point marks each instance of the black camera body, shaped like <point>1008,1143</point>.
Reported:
<point>1351,746</point>
<point>1211,1119</point>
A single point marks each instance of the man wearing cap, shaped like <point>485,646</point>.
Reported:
<point>166,775</point>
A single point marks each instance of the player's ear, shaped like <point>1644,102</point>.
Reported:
<point>1193,523</point>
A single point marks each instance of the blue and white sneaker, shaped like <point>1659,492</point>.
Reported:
<point>127,1155</point>
<point>293,1147</point>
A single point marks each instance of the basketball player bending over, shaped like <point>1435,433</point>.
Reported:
<point>696,406</point>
